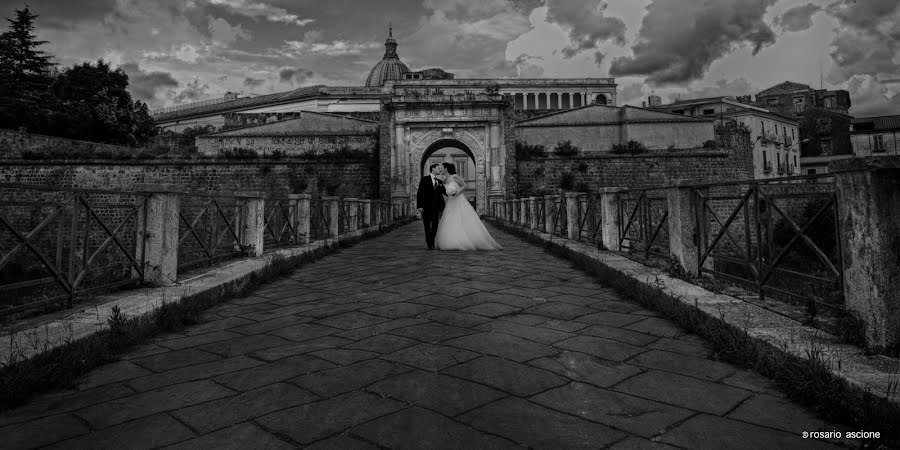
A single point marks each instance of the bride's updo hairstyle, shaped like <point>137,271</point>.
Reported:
<point>451,168</point>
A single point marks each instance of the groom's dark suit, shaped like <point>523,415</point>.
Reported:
<point>430,198</point>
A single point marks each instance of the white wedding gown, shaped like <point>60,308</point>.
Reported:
<point>460,227</point>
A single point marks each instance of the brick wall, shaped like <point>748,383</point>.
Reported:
<point>358,178</point>
<point>13,143</point>
<point>541,176</point>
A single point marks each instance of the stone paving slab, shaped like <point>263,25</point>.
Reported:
<point>388,345</point>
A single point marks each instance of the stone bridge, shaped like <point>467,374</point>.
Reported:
<point>386,345</point>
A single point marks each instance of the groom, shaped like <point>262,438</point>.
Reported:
<point>430,201</point>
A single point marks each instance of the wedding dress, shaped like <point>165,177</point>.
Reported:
<point>460,227</point>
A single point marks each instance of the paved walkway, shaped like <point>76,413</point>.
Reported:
<point>387,344</point>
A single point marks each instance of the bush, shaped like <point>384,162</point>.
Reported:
<point>581,186</point>
<point>539,172</point>
<point>582,167</point>
<point>710,144</point>
<point>671,147</point>
<point>525,152</point>
<point>629,147</point>
<point>567,181</point>
<point>566,148</point>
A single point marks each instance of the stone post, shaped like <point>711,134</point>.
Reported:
<point>157,248</point>
<point>532,205</point>
<point>549,203</point>
<point>376,213</point>
<point>609,212</point>
<point>352,213</point>
<point>523,212</point>
<point>303,218</point>
<point>571,215</point>
<point>868,195</point>
<point>366,213</point>
<point>332,209</point>
<point>254,231</point>
<point>684,239</point>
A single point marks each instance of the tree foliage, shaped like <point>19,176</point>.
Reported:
<point>86,101</point>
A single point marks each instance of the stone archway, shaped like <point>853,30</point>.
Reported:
<point>450,143</point>
<point>423,141</point>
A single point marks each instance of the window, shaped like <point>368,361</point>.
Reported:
<point>772,102</point>
<point>462,167</point>
<point>829,102</point>
<point>826,146</point>
<point>778,155</point>
<point>763,126</point>
<point>764,158</point>
<point>776,128</point>
<point>792,134</point>
<point>798,100</point>
<point>707,112</point>
<point>878,143</point>
<point>810,171</point>
<point>795,160</point>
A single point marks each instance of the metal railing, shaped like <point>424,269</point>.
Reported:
<point>643,222</point>
<point>209,230</point>
<point>67,244</point>
<point>778,236</point>
<point>589,218</point>
<point>281,223</point>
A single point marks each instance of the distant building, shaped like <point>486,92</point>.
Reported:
<point>875,136</point>
<point>822,114</point>
<point>597,128</point>
<point>776,150</point>
<point>654,101</point>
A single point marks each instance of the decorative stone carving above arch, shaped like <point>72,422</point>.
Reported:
<point>421,138</point>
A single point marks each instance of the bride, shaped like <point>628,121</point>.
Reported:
<point>460,228</point>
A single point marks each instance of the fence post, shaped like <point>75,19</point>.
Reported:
<point>571,213</point>
<point>377,206</point>
<point>609,212</point>
<point>352,213</point>
<point>522,212</point>
<point>304,216</point>
<point>157,249</point>
<point>332,208</point>
<point>867,191</point>
<point>549,203</point>
<point>532,205</point>
<point>366,213</point>
<point>253,234</point>
<point>682,221</point>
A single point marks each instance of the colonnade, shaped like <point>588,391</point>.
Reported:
<point>559,100</point>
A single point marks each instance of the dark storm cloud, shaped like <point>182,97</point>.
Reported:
<point>798,18</point>
<point>194,91</point>
<point>145,86</point>
<point>679,39</point>
<point>253,82</point>
<point>867,39</point>
<point>587,24</point>
<point>60,14</point>
<point>294,75</point>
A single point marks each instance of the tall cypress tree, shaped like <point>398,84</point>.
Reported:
<point>25,71</point>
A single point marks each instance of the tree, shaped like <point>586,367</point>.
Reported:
<point>25,72</point>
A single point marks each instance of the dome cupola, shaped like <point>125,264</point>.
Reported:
<point>390,67</point>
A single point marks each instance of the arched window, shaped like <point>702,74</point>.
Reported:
<point>600,100</point>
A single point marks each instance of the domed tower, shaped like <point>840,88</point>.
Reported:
<point>390,67</point>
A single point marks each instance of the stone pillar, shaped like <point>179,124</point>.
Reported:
<point>609,211</point>
<point>366,212</point>
<point>532,206</point>
<point>352,211</point>
<point>571,215</point>
<point>157,248</point>
<point>523,212</point>
<point>304,215</point>
<point>254,231</point>
<point>332,209</point>
<point>684,240</point>
<point>868,195</point>
<point>376,212</point>
<point>549,203</point>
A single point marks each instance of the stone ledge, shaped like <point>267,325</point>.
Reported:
<point>224,281</point>
<point>872,374</point>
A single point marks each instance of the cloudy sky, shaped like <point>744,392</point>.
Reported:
<point>178,51</point>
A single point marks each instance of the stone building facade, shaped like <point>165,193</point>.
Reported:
<point>876,136</point>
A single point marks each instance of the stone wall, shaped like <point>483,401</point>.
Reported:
<point>350,178</point>
<point>14,143</point>
<point>289,145</point>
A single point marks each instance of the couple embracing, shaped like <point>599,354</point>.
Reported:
<point>450,224</point>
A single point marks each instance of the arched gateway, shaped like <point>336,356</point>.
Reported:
<point>421,123</point>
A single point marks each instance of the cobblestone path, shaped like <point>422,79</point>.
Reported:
<point>386,344</point>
